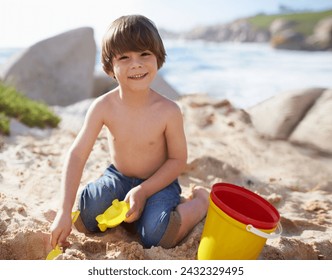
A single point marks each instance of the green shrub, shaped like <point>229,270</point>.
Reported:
<point>4,124</point>
<point>30,112</point>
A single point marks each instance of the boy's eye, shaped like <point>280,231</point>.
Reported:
<point>123,57</point>
<point>145,54</point>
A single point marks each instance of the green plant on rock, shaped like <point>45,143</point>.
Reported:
<point>4,124</point>
<point>14,104</point>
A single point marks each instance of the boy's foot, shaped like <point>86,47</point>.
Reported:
<point>192,211</point>
<point>201,193</point>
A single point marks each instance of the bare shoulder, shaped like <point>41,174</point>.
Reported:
<point>95,115</point>
<point>106,99</point>
<point>103,102</point>
<point>168,106</point>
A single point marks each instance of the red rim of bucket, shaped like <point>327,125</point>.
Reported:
<point>271,215</point>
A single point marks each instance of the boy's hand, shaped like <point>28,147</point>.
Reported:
<point>60,229</point>
<point>136,198</point>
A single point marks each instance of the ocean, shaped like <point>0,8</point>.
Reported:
<point>245,74</point>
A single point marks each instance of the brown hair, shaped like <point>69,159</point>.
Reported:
<point>131,33</point>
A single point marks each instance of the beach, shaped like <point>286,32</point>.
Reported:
<point>223,146</point>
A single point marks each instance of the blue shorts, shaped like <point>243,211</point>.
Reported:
<point>96,197</point>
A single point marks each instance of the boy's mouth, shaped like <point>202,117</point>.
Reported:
<point>138,76</point>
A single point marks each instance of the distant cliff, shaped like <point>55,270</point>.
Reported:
<point>298,31</point>
<point>238,31</point>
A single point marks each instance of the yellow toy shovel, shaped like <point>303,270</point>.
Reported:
<point>57,251</point>
<point>114,215</point>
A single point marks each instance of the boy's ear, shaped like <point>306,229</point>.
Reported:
<point>111,74</point>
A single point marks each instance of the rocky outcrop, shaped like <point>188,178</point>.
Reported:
<point>237,31</point>
<point>299,116</point>
<point>160,85</point>
<point>322,36</point>
<point>280,24</point>
<point>58,70</point>
<point>281,34</point>
<point>102,83</point>
<point>284,36</point>
<point>315,129</point>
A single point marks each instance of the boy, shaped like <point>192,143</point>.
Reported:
<point>147,146</point>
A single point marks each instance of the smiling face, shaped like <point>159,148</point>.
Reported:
<point>129,34</point>
<point>135,71</point>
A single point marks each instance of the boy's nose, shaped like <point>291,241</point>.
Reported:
<point>136,63</point>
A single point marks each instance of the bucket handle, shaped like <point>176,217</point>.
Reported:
<point>263,234</point>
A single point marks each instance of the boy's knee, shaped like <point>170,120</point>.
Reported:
<point>161,234</point>
<point>80,226</point>
<point>91,204</point>
<point>169,239</point>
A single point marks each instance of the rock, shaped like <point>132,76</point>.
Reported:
<point>237,31</point>
<point>102,83</point>
<point>19,129</point>
<point>72,116</point>
<point>315,128</point>
<point>164,88</point>
<point>283,36</point>
<point>322,38</point>
<point>288,40</point>
<point>323,32</point>
<point>280,25</point>
<point>301,117</point>
<point>58,70</point>
<point>278,116</point>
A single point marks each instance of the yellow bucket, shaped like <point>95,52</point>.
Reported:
<point>237,225</point>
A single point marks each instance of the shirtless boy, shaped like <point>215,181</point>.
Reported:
<point>147,146</point>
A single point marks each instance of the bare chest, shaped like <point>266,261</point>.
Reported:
<point>137,132</point>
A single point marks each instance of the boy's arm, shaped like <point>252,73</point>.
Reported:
<point>168,172</point>
<point>73,169</point>
<point>78,155</point>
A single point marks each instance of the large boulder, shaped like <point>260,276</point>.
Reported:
<point>160,85</point>
<point>102,83</point>
<point>237,31</point>
<point>58,70</point>
<point>288,40</point>
<point>316,127</point>
<point>283,35</point>
<point>280,25</point>
<point>278,116</point>
<point>72,116</point>
<point>301,117</point>
<point>322,37</point>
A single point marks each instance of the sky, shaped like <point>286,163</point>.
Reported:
<point>25,22</point>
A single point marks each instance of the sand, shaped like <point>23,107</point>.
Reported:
<point>223,147</point>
